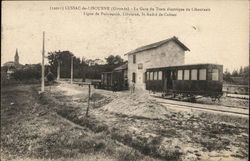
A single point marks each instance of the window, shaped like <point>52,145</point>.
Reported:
<point>155,75</point>
<point>148,75</point>
<point>179,74</point>
<point>202,74</point>
<point>186,74</point>
<point>215,74</point>
<point>125,74</point>
<point>173,75</point>
<point>134,77</point>
<point>194,74</point>
<point>134,58</point>
<point>151,75</point>
<point>160,75</point>
<point>140,66</point>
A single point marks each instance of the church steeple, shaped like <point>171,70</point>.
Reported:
<point>16,58</point>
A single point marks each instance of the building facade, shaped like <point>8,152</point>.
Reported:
<point>169,52</point>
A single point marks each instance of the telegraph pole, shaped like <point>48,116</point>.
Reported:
<point>71,80</point>
<point>87,111</point>
<point>58,69</point>
<point>43,51</point>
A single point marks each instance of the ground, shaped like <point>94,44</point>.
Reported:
<point>121,126</point>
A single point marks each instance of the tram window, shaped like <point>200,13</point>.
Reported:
<point>215,74</point>
<point>202,74</point>
<point>125,74</point>
<point>179,74</point>
<point>160,75</point>
<point>174,75</point>
<point>148,75</point>
<point>155,75</point>
<point>186,74</point>
<point>151,75</point>
<point>194,74</point>
<point>144,77</point>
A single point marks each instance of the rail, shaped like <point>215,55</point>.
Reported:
<point>207,107</point>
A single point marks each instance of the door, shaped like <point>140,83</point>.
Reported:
<point>165,84</point>
<point>168,80</point>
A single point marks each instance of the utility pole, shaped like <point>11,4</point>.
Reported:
<point>58,69</point>
<point>87,111</point>
<point>71,80</point>
<point>43,51</point>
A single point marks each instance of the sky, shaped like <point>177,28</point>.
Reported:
<point>220,36</point>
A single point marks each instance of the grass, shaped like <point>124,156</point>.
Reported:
<point>57,130</point>
<point>146,146</point>
<point>225,119</point>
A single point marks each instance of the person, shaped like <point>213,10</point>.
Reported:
<point>115,86</point>
<point>132,87</point>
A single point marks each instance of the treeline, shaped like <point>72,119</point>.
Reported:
<point>82,68</point>
<point>240,76</point>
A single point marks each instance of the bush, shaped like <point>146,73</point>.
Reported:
<point>28,72</point>
<point>50,77</point>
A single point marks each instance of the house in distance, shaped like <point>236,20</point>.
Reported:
<point>12,65</point>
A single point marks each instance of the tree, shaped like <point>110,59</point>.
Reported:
<point>237,77</point>
<point>64,57</point>
<point>114,60</point>
<point>241,71</point>
<point>227,76</point>
<point>32,71</point>
<point>245,72</point>
<point>235,73</point>
<point>83,68</point>
<point>50,77</point>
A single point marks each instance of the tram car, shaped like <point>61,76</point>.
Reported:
<point>186,80</point>
<point>106,78</point>
<point>115,80</point>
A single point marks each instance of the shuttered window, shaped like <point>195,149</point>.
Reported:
<point>134,77</point>
<point>134,58</point>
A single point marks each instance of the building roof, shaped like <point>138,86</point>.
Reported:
<point>157,44</point>
<point>12,64</point>
<point>9,63</point>
<point>122,67</point>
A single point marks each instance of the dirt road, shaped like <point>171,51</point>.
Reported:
<point>121,126</point>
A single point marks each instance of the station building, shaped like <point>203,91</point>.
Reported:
<point>169,52</point>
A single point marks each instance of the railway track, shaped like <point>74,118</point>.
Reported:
<point>212,108</point>
<point>177,100</point>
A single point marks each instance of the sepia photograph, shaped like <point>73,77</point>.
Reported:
<point>125,80</point>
